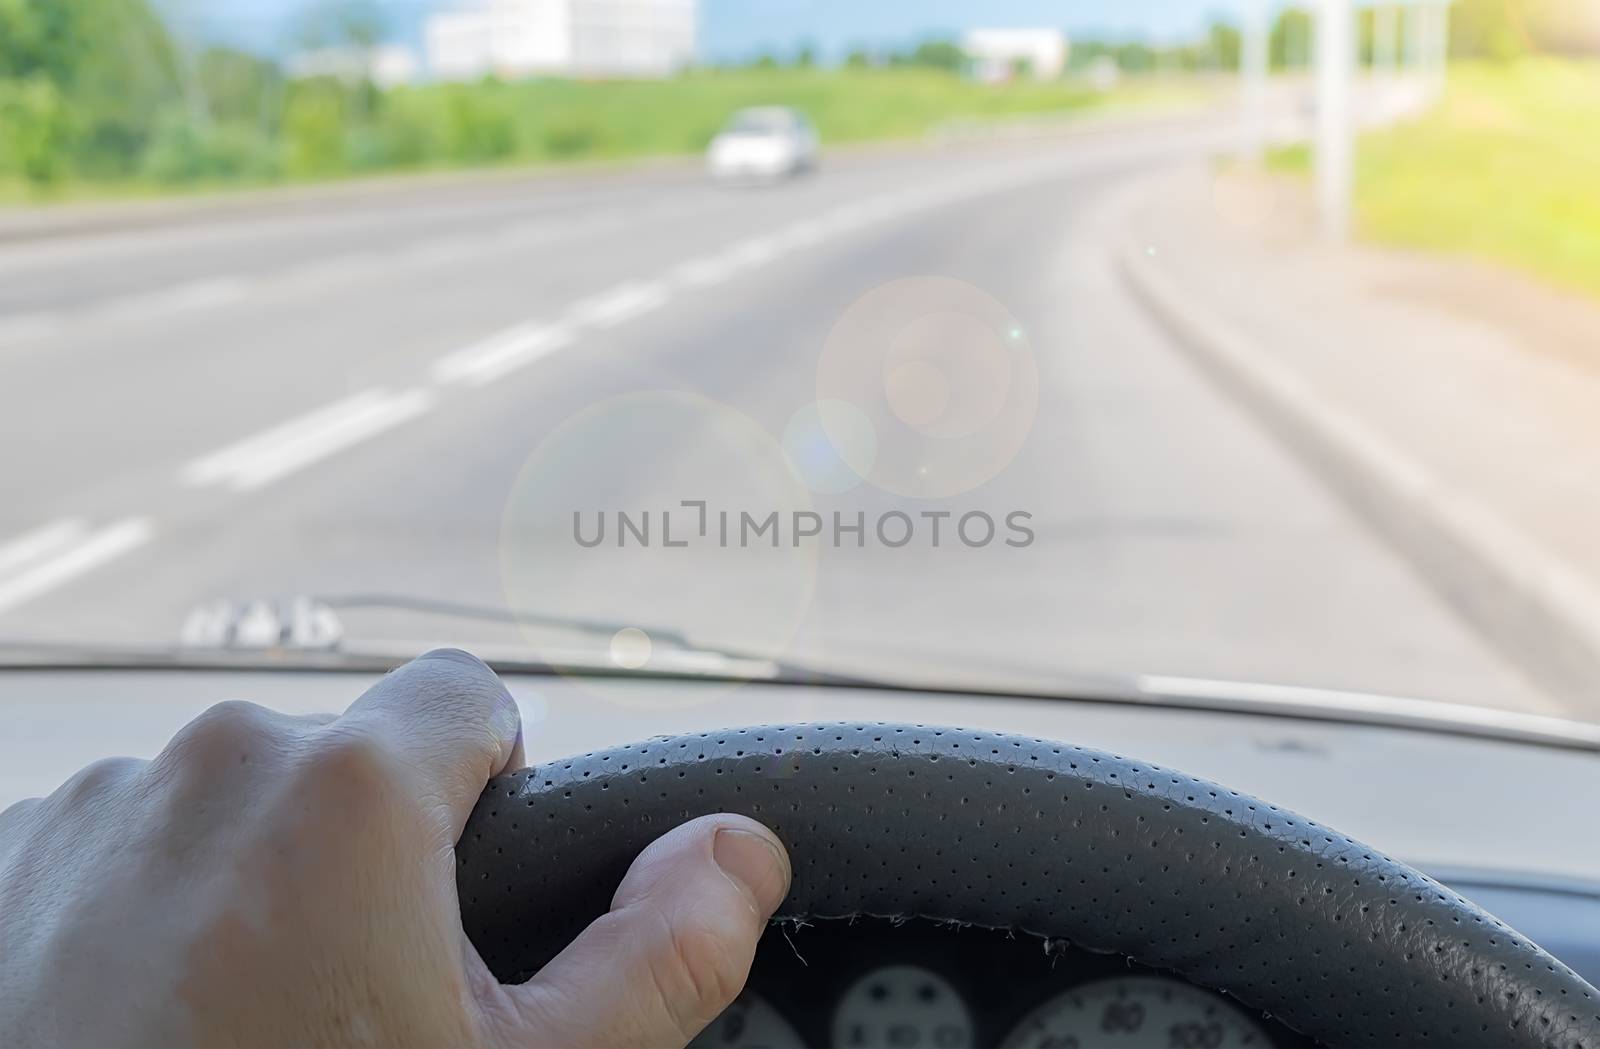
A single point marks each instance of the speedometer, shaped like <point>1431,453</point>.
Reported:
<point>903,1006</point>
<point>1136,1011</point>
<point>749,1023</point>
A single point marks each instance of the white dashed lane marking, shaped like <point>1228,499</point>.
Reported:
<point>503,353</point>
<point>41,560</point>
<point>624,302</point>
<point>258,461</point>
<point>702,273</point>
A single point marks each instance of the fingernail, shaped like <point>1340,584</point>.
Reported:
<point>755,863</point>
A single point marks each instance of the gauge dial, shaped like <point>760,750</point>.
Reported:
<point>749,1023</point>
<point>1136,1011</point>
<point>904,1006</point>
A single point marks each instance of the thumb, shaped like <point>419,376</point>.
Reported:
<point>673,951</point>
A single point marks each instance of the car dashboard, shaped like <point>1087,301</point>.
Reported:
<point>912,984</point>
<point>1500,821</point>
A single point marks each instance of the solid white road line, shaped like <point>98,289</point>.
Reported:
<point>621,303</point>
<point>63,565</point>
<point>266,457</point>
<point>38,543</point>
<point>500,354</point>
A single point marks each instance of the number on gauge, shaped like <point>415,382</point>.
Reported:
<point>902,1007</point>
<point>1136,1011</point>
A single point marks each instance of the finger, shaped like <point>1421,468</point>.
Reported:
<point>675,948</point>
<point>449,718</point>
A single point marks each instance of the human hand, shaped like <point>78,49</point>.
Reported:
<point>278,880</point>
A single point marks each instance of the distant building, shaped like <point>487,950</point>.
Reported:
<point>519,38</point>
<point>1000,54</point>
<point>387,65</point>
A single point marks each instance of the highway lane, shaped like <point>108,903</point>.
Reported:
<point>424,422</point>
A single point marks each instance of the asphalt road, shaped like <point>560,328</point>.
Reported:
<point>414,393</point>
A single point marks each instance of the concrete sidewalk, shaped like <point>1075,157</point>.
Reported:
<point>1455,405</point>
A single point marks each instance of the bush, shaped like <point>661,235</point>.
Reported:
<point>314,128</point>
<point>181,151</point>
<point>572,136</point>
<point>478,122</point>
<point>35,130</point>
<point>406,132</point>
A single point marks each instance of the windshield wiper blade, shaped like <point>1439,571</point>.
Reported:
<point>491,614</point>
<point>680,655</point>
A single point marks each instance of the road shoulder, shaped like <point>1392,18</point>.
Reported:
<point>1463,445</point>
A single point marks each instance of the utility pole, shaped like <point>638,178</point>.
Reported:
<point>1335,152</point>
<point>1438,15</point>
<point>1415,32</point>
<point>1256,30</point>
<point>1385,38</point>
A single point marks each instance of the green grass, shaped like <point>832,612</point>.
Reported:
<point>442,127</point>
<point>1507,169</point>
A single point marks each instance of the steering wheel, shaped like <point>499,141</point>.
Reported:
<point>1113,855</point>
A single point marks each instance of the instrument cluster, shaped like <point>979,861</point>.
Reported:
<point>918,985</point>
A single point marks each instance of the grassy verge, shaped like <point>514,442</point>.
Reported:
<point>325,133</point>
<point>1507,169</point>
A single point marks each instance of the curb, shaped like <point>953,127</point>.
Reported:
<point>1535,609</point>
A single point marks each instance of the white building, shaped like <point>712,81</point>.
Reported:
<point>996,53</point>
<point>518,38</point>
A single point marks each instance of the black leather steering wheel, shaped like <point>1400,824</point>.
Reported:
<point>1336,940</point>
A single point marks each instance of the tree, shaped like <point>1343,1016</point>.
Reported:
<point>939,54</point>
<point>1492,29</point>
<point>353,29</point>
<point>35,129</point>
<point>236,85</point>
<point>1136,57</point>
<point>1223,44</point>
<point>112,70</point>
<point>1290,44</point>
<point>356,24</point>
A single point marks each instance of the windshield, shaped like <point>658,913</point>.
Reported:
<point>1234,346</point>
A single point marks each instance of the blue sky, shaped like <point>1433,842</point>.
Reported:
<point>734,29</point>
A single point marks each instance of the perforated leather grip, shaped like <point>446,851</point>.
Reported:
<point>1114,855</point>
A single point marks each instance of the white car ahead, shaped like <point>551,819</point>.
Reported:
<point>767,142</point>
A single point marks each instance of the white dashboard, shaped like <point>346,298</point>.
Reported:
<point>1504,823</point>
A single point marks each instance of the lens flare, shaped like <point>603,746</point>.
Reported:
<point>943,377</point>
<point>831,446</point>
<point>630,648</point>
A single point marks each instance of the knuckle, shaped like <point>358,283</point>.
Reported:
<point>356,766</point>
<point>231,729</point>
<point>449,678</point>
<point>97,780</point>
<point>461,657</point>
<point>14,817</point>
